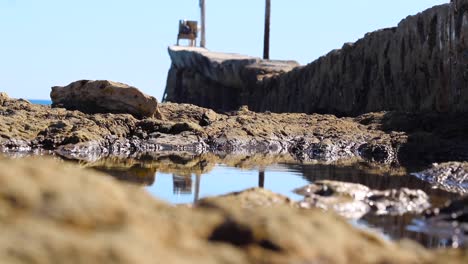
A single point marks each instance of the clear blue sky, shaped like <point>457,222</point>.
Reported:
<point>54,42</point>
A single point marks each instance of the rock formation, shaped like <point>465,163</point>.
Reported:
<point>27,127</point>
<point>451,176</point>
<point>420,65</point>
<point>216,80</point>
<point>378,137</point>
<point>354,200</point>
<point>104,97</point>
<point>3,97</point>
<point>53,212</point>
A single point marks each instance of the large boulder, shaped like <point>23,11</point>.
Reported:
<point>104,97</point>
<point>52,212</point>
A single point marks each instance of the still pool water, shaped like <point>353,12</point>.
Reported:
<point>224,179</point>
<point>183,180</point>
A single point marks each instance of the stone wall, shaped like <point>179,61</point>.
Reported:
<point>420,65</point>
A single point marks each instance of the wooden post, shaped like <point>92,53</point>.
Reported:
<point>202,33</point>
<point>266,40</point>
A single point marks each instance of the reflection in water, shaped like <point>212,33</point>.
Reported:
<point>399,227</point>
<point>134,174</point>
<point>185,178</point>
<point>261,178</point>
<point>197,188</point>
<point>182,184</point>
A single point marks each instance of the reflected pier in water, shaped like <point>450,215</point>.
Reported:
<point>134,174</point>
<point>183,184</point>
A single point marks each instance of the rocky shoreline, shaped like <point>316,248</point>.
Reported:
<point>400,96</point>
<point>384,137</point>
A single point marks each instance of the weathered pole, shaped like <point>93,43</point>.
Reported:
<point>203,36</point>
<point>266,40</point>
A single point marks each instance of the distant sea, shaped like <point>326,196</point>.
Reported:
<point>41,102</point>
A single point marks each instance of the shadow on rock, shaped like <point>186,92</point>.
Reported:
<point>431,137</point>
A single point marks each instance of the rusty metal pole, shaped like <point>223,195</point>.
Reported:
<point>266,40</point>
<point>203,36</point>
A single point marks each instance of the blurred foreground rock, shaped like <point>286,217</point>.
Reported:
<point>104,97</point>
<point>55,212</point>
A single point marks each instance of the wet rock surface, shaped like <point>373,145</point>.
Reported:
<point>346,199</point>
<point>353,200</point>
<point>451,176</point>
<point>419,65</point>
<point>76,133</point>
<point>384,137</point>
<point>53,211</point>
<point>104,97</point>
<point>449,221</point>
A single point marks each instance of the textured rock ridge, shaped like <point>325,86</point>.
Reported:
<point>420,65</point>
<point>383,137</point>
<point>451,176</point>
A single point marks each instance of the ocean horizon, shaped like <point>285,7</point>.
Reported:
<point>40,101</point>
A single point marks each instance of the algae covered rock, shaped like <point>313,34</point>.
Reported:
<point>104,97</point>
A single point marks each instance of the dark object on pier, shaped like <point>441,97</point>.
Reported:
<point>188,30</point>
